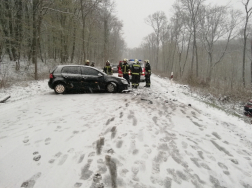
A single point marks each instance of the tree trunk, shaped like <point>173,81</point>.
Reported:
<point>74,41</point>
<point>34,37</point>
<point>244,52</point>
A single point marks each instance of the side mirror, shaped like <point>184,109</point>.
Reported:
<point>100,75</point>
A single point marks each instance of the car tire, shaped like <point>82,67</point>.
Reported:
<point>60,88</point>
<point>111,87</point>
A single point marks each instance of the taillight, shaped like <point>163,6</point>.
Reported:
<point>51,75</point>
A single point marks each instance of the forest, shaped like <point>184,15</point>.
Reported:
<point>202,44</point>
<point>62,31</point>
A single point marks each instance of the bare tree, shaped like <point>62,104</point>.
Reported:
<point>217,23</point>
<point>248,11</point>
<point>86,8</point>
<point>193,8</point>
<point>157,21</point>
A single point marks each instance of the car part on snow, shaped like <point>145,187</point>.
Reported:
<point>126,91</point>
<point>248,109</point>
<point>4,99</point>
<point>60,88</point>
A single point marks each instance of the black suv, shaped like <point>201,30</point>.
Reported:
<point>81,77</point>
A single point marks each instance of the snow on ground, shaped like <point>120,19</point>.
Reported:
<point>150,138</point>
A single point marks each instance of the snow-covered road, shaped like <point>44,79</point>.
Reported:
<point>150,138</point>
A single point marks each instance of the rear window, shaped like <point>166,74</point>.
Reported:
<point>71,70</point>
<point>55,70</point>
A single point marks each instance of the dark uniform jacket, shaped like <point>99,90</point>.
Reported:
<point>125,68</point>
<point>136,69</point>
<point>147,69</point>
<point>107,69</point>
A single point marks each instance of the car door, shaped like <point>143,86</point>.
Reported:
<point>72,75</point>
<point>92,79</point>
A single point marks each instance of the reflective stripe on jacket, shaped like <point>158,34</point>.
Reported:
<point>125,68</point>
<point>107,69</point>
<point>136,69</point>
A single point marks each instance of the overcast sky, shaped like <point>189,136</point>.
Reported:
<point>134,12</point>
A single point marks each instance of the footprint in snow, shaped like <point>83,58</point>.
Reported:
<point>31,182</point>
<point>77,184</point>
<point>216,135</point>
<point>176,178</point>
<point>247,158</point>
<point>85,172</point>
<point>91,154</point>
<point>183,111</point>
<point>124,172</point>
<point>110,120</point>
<point>63,159</point>
<point>81,158</point>
<point>99,145</point>
<point>26,140</point>
<point>71,150</point>
<point>235,161</point>
<point>224,168</point>
<point>113,132</point>
<point>119,144</point>
<point>121,114</point>
<point>58,154</point>
<point>47,141</point>
<point>201,154</point>
<point>135,152</point>
<point>36,156</point>
<point>51,161</point>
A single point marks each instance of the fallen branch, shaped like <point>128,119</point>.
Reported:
<point>2,100</point>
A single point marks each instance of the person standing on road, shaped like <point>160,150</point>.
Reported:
<point>125,70</point>
<point>136,71</point>
<point>107,69</point>
<point>147,73</point>
<point>92,64</point>
<point>87,63</point>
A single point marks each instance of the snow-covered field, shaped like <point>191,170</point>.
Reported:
<point>150,138</point>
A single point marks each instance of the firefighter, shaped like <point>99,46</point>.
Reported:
<point>107,69</point>
<point>136,71</point>
<point>147,73</point>
<point>87,63</point>
<point>92,64</point>
<point>125,70</point>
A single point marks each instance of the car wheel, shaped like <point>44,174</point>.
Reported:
<point>111,87</point>
<point>60,88</point>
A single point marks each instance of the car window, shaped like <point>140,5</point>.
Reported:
<point>89,71</point>
<point>71,70</point>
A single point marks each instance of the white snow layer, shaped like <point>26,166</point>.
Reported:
<point>150,138</point>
